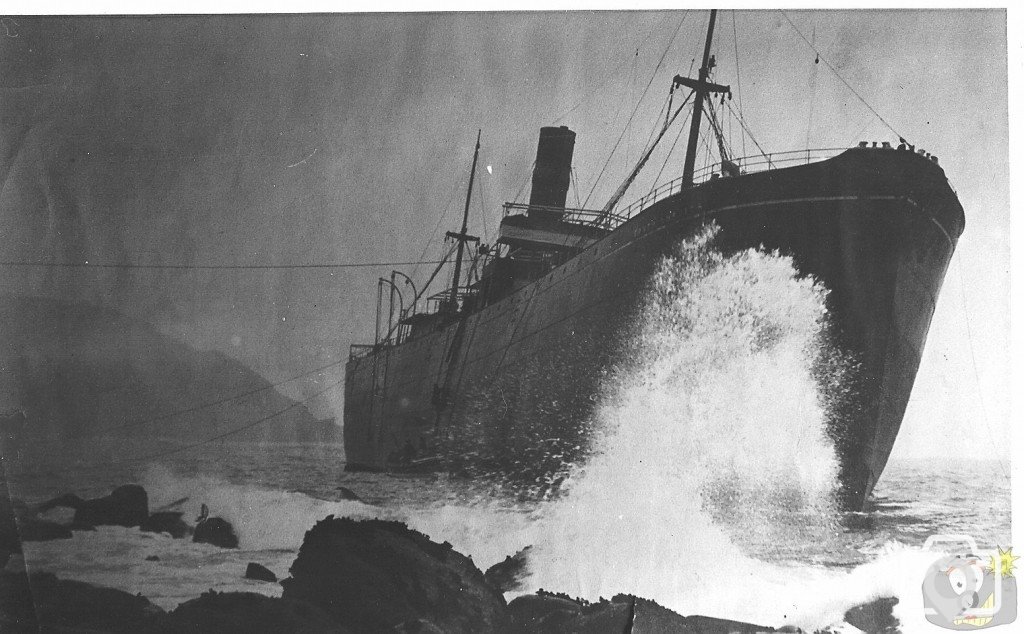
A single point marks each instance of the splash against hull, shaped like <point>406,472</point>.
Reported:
<point>510,388</point>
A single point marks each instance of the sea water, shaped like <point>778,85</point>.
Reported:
<point>709,489</point>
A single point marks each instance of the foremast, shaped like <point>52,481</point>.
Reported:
<point>462,237</point>
<point>702,90</point>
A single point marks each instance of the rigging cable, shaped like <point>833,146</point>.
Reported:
<point>666,107</point>
<point>201,406</point>
<point>575,190</point>
<point>526,180</point>
<point>629,122</point>
<point>974,360</point>
<point>836,73</point>
<point>437,225</point>
<point>736,60</point>
<point>211,267</point>
<point>860,132</point>
<point>814,90</point>
<point>183,448</point>
<point>232,432</point>
<point>671,149</point>
<point>743,124</point>
<point>609,75</point>
<point>637,107</point>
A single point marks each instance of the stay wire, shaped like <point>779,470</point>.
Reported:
<point>607,76</point>
<point>209,267</point>
<point>836,73</point>
<point>228,399</point>
<point>974,359</point>
<point>736,59</point>
<point>184,448</point>
<point>234,431</point>
<point>668,156</point>
<point>430,241</point>
<point>743,124</point>
<point>637,107</point>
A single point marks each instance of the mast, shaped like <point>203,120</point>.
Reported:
<point>701,90</point>
<point>461,236</point>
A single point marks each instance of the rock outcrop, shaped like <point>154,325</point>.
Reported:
<point>549,613</point>
<point>42,602</point>
<point>31,529</point>
<point>215,612</point>
<point>875,616</point>
<point>259,573</point>
<point>127,505</point>
<point>18,523</point>
<point>508,575</point>
<point>346,493</point>
<point>376,575</point>
<point>369,576</point>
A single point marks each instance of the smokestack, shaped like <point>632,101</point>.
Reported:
<point>551,173</point>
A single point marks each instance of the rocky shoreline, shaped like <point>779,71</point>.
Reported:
<point>351,576</point>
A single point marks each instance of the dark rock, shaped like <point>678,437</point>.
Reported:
<point>78,526</point>
<point>509,575</point>
<point>543,612</point>
<point>127,505</point>
<point>166,522</point>
<point>875,616</point>
<point>18,523</point>
<point>68,500</point>
<point>240,612</point>
<point>611,616</point>
<point>259,573</point>
<point>42,602</point>
<point>36,530</point>
<point>216,531</point>
<point>547,613</point>
<point>375,575</point>
<point>348,494</point>
<point>418,626</point>
<point>152,558</point>
<point>713,625</point>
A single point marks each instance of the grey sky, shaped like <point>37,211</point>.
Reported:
<point>343,138</point>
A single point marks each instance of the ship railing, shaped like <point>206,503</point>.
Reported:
<point>441,301</point>
<point>746,165</point>
<point>568,214</point>
<point>769,161</point>
<point>399,332</point>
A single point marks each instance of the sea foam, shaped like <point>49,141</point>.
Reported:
<point>720,415</point>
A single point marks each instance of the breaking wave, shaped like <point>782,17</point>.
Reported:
<point>719,412</point>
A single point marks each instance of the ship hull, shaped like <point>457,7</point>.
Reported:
<point>510,389</point>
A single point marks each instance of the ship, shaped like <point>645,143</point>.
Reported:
<point>501,375</point>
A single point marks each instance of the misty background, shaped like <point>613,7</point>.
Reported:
<point>313,139</point>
